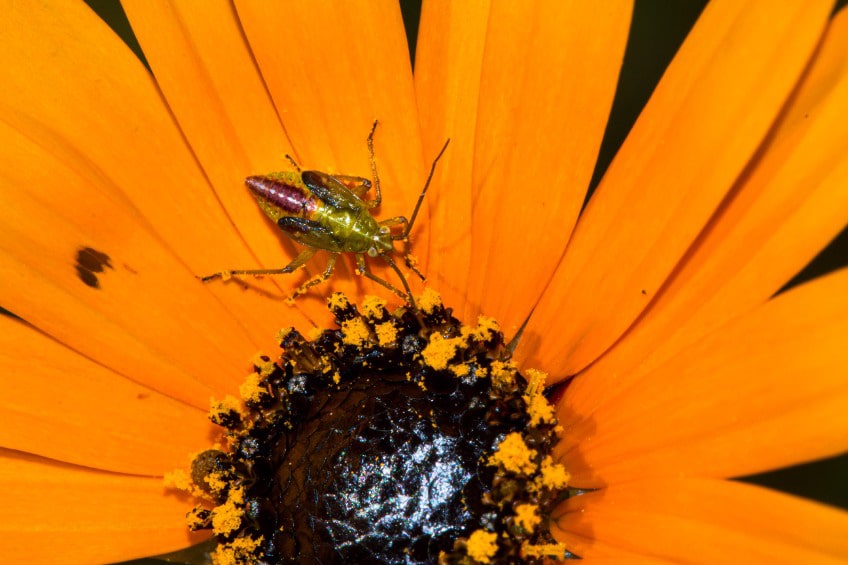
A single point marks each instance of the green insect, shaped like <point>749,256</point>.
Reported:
<point>328,212</point>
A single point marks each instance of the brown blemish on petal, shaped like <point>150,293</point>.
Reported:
<point>90,261</point>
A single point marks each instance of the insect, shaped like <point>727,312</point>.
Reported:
<point>327,212</point>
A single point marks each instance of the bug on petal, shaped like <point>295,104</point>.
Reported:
<point>326,212</point>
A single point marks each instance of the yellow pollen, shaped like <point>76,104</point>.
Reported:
<point>514,455</point>
<point>314,333</point>
<point>429,300</point>
<point>482,546</point>
<point>552,550</point>
<point>221,408</point>
<point>535,381</point>
<point>216,482</point>
<point>355,332</point>
<point>237,552</point>
<point>554,475</point>
<point>338,300</point>
<point>386,333</point>
<point>540,410</point>
<point>441,350</point>
<point>337,377</point>
<point>251,389</point>
<point>227,517</point>
<point>178,479</point>
<point>527,517</point>
<point>283,334</point>
<point>373,307</point>
<point>503,373</point>
<point>486,329</point>
<point>460,370</point>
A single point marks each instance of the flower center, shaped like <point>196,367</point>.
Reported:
<point>396,438</point>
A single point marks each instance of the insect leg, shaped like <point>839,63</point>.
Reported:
<point>328,272</point>
<point>293,162</point>
<point>362,269</point>
<point>378,196</point>
<point>408,259</point>
<point>295,264</point>
<point>357,185</point>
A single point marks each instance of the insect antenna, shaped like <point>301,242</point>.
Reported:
<point>424,192</point>
<point>401,277</point>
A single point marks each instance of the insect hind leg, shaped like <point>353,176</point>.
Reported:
<point>290,268</point>
<point>362,269</point>
<point>328,272</point>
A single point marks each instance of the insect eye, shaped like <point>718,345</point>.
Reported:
<point>372,252</point>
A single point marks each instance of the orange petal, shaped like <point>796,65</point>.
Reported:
<point>546,87</point>
<point>54,513</point>
<point>205,68</point>
<point>790,204</point>
<point>706,118</point>
<point>107,120</point>
<point>766,390</point>
<point>448,63</point>
<point>60,405</point>
<point>332,69</point>
<point>702,521</point>
<point>144,315</point>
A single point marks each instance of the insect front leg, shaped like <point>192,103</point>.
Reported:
<point>362,269</point>
<point>378,196</point>
<point>410,261</point>
<point>328,272</point>
<point>291,267</point>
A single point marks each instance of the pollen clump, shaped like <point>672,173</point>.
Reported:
<point>441,350</point>
<point>355,332</point>
<point>514,455</point>
<point>338,301</point>
<point>227,517</point>
<point>549,550</point>
<point>538,407</point>
<point>236,552</point>
<point>429,301</point>
<point>527,517</point>
<point>482,546</point>
<point>553,475</point>
<point>486,329</point>
<point>224,411</point>
<point>251,389</point>
<point>178,479</point>
<point>373,307</point>
<point>386,334</point>
<point>503,373</point>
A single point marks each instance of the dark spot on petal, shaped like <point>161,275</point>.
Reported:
<point>90,261</point>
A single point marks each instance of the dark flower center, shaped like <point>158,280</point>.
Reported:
<point>397,438</point>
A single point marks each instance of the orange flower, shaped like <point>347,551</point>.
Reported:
<point>656,301</point>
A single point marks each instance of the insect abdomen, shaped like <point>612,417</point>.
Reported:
<point>289,198</point>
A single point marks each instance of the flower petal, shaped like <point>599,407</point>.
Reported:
<point>791,203</point>
<point>764,391</point>
<point>448,62</point>
<point>332,69</point>
<point>538,133</point>
<point>93,277</point>
<point>211,82</point>
<point>54,513</point>
<point>702,521</point>
<point>705,120</point>
<point>72,87</point>
<point>60,405</point>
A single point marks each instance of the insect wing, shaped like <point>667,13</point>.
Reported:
<point>311,233</point>
<point>328,189</point>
